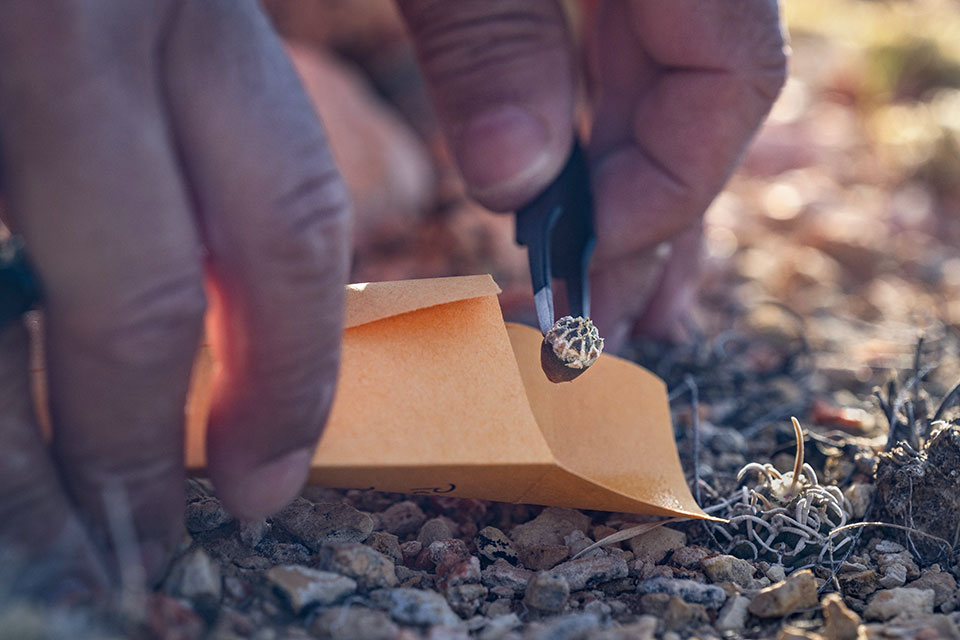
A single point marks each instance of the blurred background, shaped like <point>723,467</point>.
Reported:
<point>841,230</point>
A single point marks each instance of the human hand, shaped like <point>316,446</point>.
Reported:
<point>677,89</point>
<point>148,146</point>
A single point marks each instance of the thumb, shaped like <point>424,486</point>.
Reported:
<point>501,76</point>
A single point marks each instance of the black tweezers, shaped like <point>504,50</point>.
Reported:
<point>557,229</point>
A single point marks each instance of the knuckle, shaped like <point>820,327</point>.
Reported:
<point>156,321</point>
<point>309,210</point>
<point>462,41</point>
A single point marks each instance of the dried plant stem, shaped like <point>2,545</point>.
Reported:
<point>890,525</point>
<point>626,534</point>
<point>798,458</point>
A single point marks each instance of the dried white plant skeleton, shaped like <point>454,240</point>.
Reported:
<point>786,518</point>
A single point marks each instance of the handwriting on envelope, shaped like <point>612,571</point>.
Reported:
<point>438,396</point>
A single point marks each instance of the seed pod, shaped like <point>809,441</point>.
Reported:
<point>569,348</point>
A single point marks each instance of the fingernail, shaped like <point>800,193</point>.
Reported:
<point>501,146</point>
<point>271,486</point>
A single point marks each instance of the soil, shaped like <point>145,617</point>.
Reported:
<point>830,292</point>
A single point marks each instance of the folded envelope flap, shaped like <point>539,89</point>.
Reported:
<point>611,427</point>
<point>371,301</point>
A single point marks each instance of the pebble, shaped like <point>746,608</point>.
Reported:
<point>493,544</point>
<point>576,541</point>
<point>540,557</point>
<point>711,596</point>
<point>859,584</point>
<point>547,592</point>
<point>318,524</point>
<point>725,568</point>
<point>859,495</point>
<point>350,623</point>
<point>689,557</point>
<point>387,544</point>
<point>894,575</point>
<point>887,561</point>
<point>733,615</point>
<point>194,576</point>
<point>503,574</point>
<point>643,628</point>
<point>304,587</point>
<point>442,552</point>
<point>410,550</point>
<point>549,528</point>
<point>465,599</point>
<point>900,601</point>
<point>402,518</point>
<point>462,571</point>
<point>586,573</point>
<point>205,514</point>
<point>943,584</point>
<point>498,626</point>
<point>680,614</point>
<point>654,545</point>
<point>840,622</point>
<point>569,627</point>
<point>798,591</point>
<point>251,532</point>
<point>413,606</point>
<point>434,529</point>
<point>371,569</point>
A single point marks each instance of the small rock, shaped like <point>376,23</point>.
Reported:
<point>304,587</point>
<point>790,632</point>
<point>798,591</point>
<point>435,529</point>
<point>350,623</point>
<point>413,606</point>
<point>410,550</point>
<point>776,573</point>
<point>858,584</point>
<point>643,628</point>
<point>251,532</point>
<point>859,495</point>
<point>728,440</point>
<point>550,527</point>
<point>689,557</point>
<point>894,575</point>
<point>654,545</point>
<point>586,573</point>
<point>711,596</point>
<point>888,546</point>
<point>465,599</point>
<point>503,574</point>
<point>576,541</point>
<point>284,552</point>
<point>196,577</point>
<point>886,561</point>
<point>943,584</point>
<point>540,557</point>
<point>387,544</point>
<point>205,514</point>
<point>900,601</point>
<point>547,592</point>
<point>442,553</point>
<point>499,625</point>
<point>462,571</point>
<point>402,518</point>
<point>840,622</point>
<point>371,569</point>
<point>569,627</point>
<point>724,568</point>
<point>317,524</point>
<point>493,544</point>
<point>681,614</point>
<point>733,615</point>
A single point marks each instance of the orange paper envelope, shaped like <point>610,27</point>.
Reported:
<point>437,395</point>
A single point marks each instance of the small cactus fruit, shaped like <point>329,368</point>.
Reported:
<point>569,348</point>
